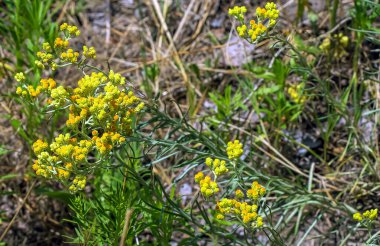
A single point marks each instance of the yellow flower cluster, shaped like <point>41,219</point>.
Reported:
<point>97,103</point>
<point>234,150</point>
<point>238,12</point>
<point>243,210</point>
<point>242,30</point>
<point>70,56</point>
<point>78,183</point>
<point>259,27</point>
<point>105,143</point>
<point>28,90</point>
<point>335,45</point>
<point>48,56</point>
<point>269,12</point>
<point>217,166</point>
<point>256,191</point>
<point>369,215</point>
<point>69,30</point>
<point>295,93</point>
<point>208,187</point>
<point>256,30</point>
<point>48,84</point>
<point>61,44</point>
<point>244,207</point>
<point>100,116</point>
<point>20,77</point>
<point>89,52</point>
<point>61,157</point>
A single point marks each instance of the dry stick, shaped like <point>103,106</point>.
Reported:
<point>203,20</point>
<point>63,12</point>
<point>128,215</point>
<point>164,12</point>
<point>108,24</point>
<point>181,25</point>
<point>200,103</point>
<point>157,9</point>
<point>171,55</point>
<point>124,35</point>
<point>17,211</point>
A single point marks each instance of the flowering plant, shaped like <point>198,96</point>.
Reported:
<point>100,115</point>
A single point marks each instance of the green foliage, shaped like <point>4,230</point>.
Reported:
<point>24,24</point>
<point>227,104</point>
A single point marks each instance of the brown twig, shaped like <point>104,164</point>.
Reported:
<point>17,211</point>
<point>128,215</point>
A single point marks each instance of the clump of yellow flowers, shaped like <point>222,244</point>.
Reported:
<point>100,113</point>
<point>234,150</point>
<point>335,45</point>
<point>266,19</point>
<point>244,207</point>
<point>367,217</point>
<point>296,93</point>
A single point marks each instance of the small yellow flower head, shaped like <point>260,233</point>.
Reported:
<point>116,78</point>
<point>335,45</point>
<point>208,161</point>
<point>59,93</point>
<point>295,92</point>
<point>220,216</point>
<point>39,146</point>
<point>234,150</point>
<point>63,27</point>
<point>19,91</point>
<point>48,84</point>
<point>73,30</point>
<point>226,205</point>
<point>70,56</point>
<point>53,66</point>
<point>259,222</point>
<point>260,12</point>
<point>61,44</point>
<point>357,217</point>
<point>208,187</point>
<point>20,77</point>
<point>69,166</point>
<point>272,22</point>
<point>344,41</point>
<point>370,214</point>
<point>198,177</point>
<point>242,30</point>
<point>63,174</point>
<point>217,166</point>
<point>239,194</point>
<point>248,217</point>
<point>326,44</point>
<point>238,12</point>
<point>271,11</point>
<point>139,107</point>
<point>46,46</point>
<point>78,183</point>
<point>256,191</point>
<point>89,52</point>
<point>39,64</point>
